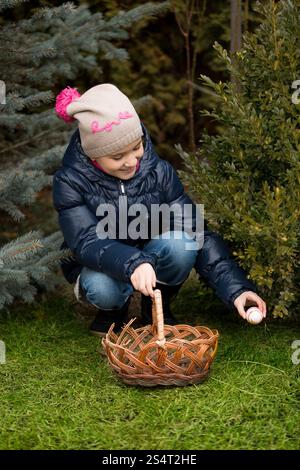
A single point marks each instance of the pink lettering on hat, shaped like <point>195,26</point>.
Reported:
<point>95,126</point>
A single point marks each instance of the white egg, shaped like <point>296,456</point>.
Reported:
<point>254,315</point>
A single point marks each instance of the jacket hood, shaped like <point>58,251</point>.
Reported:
<point>77,159</point>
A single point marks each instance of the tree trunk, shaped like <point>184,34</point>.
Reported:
<point>236,26</point>
<point>235,30</point>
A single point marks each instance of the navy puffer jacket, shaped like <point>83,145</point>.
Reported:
<point>79,188</point>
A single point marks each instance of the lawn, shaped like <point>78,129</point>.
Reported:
<point>58,392</point>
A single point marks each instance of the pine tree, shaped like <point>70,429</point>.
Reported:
<point>52,46</point>
<point>248,175</point>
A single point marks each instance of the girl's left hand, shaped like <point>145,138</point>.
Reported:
<point>247,299</point>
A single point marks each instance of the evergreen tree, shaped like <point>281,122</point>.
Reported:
<point>247,176</point>
<point>39,54</point>
<point>161,68</point>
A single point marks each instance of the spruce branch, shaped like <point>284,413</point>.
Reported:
<point>4,4</point>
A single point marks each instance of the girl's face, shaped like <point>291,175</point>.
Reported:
<point>123,164</point>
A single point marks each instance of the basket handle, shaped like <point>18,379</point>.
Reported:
<point>158,318</point>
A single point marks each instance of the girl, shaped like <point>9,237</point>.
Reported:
<point>111,163</point>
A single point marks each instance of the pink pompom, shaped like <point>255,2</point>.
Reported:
<point>65,97</point>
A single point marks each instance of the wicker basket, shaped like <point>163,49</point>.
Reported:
<point>161,354</point>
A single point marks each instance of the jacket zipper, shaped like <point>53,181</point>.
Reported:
<point>122,211</point>
<point>122,188</point>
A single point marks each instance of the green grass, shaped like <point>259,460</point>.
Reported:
<point>57,392</point>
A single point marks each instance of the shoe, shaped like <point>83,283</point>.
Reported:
<point>168,294</point>
<point>104,319</point>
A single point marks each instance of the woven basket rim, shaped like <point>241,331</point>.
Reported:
<point>170,343</point>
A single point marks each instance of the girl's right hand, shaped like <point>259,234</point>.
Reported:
<point>143,279</point>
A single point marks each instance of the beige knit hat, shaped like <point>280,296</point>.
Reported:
<point>107,120</point>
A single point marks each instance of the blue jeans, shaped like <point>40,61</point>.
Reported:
<point>174,263</point>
